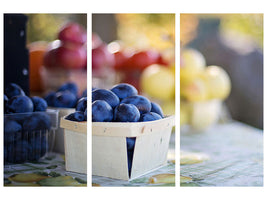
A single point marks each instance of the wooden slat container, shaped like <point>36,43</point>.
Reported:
<point>109,147</point>
<point>75,142</point>
<point>59,136</point>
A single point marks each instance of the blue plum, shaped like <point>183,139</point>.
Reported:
<point>141,102</point>
<point>33,142</point>
<point>157,109</point>
<point>76,116</point>
<point>69,86</point>
<point>12,89</point>
<point>39,104</point>
<point>38,141</point>
<point>19,104</point>
<point>126,113</point>
<point>101,111</point>
<point>21,151</point>
<point>50,98</point>
<point>37,121</point>
<point>150,116</point>
<point>130,152</point>
<point>9,152</point>
<point>130,143</point>
<point>130,160</point>
<point>106,95</point>
<point>12,130</point>
<point>81,104</point>
<point>65,99</point>
<point>124,90</point>
<point>44,143</point>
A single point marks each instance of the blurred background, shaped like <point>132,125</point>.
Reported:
<point>234,42</point>
<point>137,49</point>
<point>42,37</point>
<point>45,27</point>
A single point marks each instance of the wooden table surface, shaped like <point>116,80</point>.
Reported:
<point>235,152</point>
<point>48,171</point>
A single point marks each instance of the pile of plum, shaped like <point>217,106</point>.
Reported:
<point>25,126</point>
<point>80,113</point>
<point>66,96</point>
<point>123,104</point>
<point>26,123</point>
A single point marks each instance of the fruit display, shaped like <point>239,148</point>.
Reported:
<point>115,62</point>
<point>150,71</point>
<point>123,104</point>
<point>26,125</point>
<point>158,82</point>
<point>131,65</point>
<point>66,58</point>
<point>70,51</point>
<point>192,63</point>
<point>202,90</point>
<point>80,113</point>
<point>15,101</point>
<point>67,99</point>
<point>66,96</point>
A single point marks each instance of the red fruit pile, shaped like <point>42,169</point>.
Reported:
<point>129,65</point>
<point>71,52</point>
<point>102,59</point>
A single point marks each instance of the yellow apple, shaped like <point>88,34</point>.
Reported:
<point>205,114</point>
<point>192,63</point>
<point>158,82</point>
<point>195,90</point>
<point>217,81</point>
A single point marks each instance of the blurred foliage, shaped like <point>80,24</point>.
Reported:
<point>152,30</point>
<point>246,24</point>
<point>45,27</point>
<point>188,26</point>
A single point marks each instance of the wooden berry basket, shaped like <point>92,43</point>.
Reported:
<point>59,136</point>
<point>109,147</point>
<point>75,142</point>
